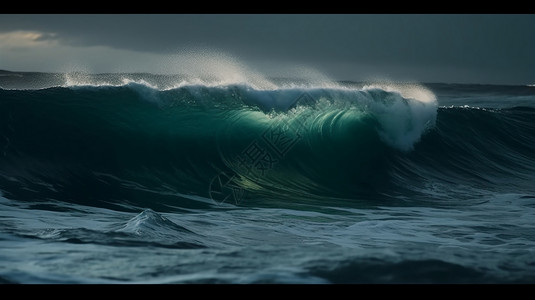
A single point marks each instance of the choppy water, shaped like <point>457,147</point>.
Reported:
<point>140,178</point>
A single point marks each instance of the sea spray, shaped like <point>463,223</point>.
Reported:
<point>122,178</point>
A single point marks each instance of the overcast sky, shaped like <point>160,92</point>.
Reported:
<point>426,48</point>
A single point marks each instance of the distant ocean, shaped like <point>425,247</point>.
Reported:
<point>144,178</point>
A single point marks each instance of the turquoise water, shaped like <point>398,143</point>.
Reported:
<point>140,178</point>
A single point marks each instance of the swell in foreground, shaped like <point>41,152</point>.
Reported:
<point>290,181</point>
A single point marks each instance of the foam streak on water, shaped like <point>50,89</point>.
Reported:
<point>221,175</point>
<point>304,246</point>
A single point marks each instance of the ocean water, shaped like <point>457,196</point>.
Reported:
<point>143,178</point>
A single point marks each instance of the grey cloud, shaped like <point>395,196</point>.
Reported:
<point>489,43</point>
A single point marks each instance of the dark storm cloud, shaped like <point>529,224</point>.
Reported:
<point>496,46</point>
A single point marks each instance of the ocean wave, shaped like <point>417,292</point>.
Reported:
<point>229,143</point>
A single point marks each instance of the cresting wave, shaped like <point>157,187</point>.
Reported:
<point>197,144</point>
<point>404,111</point>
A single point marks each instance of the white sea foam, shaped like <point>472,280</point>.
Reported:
<point>404,111</point>
<point>410,111</point>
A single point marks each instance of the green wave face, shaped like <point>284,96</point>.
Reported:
<point>134,145</point>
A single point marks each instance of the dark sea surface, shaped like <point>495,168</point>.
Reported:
<point>143,178</point>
